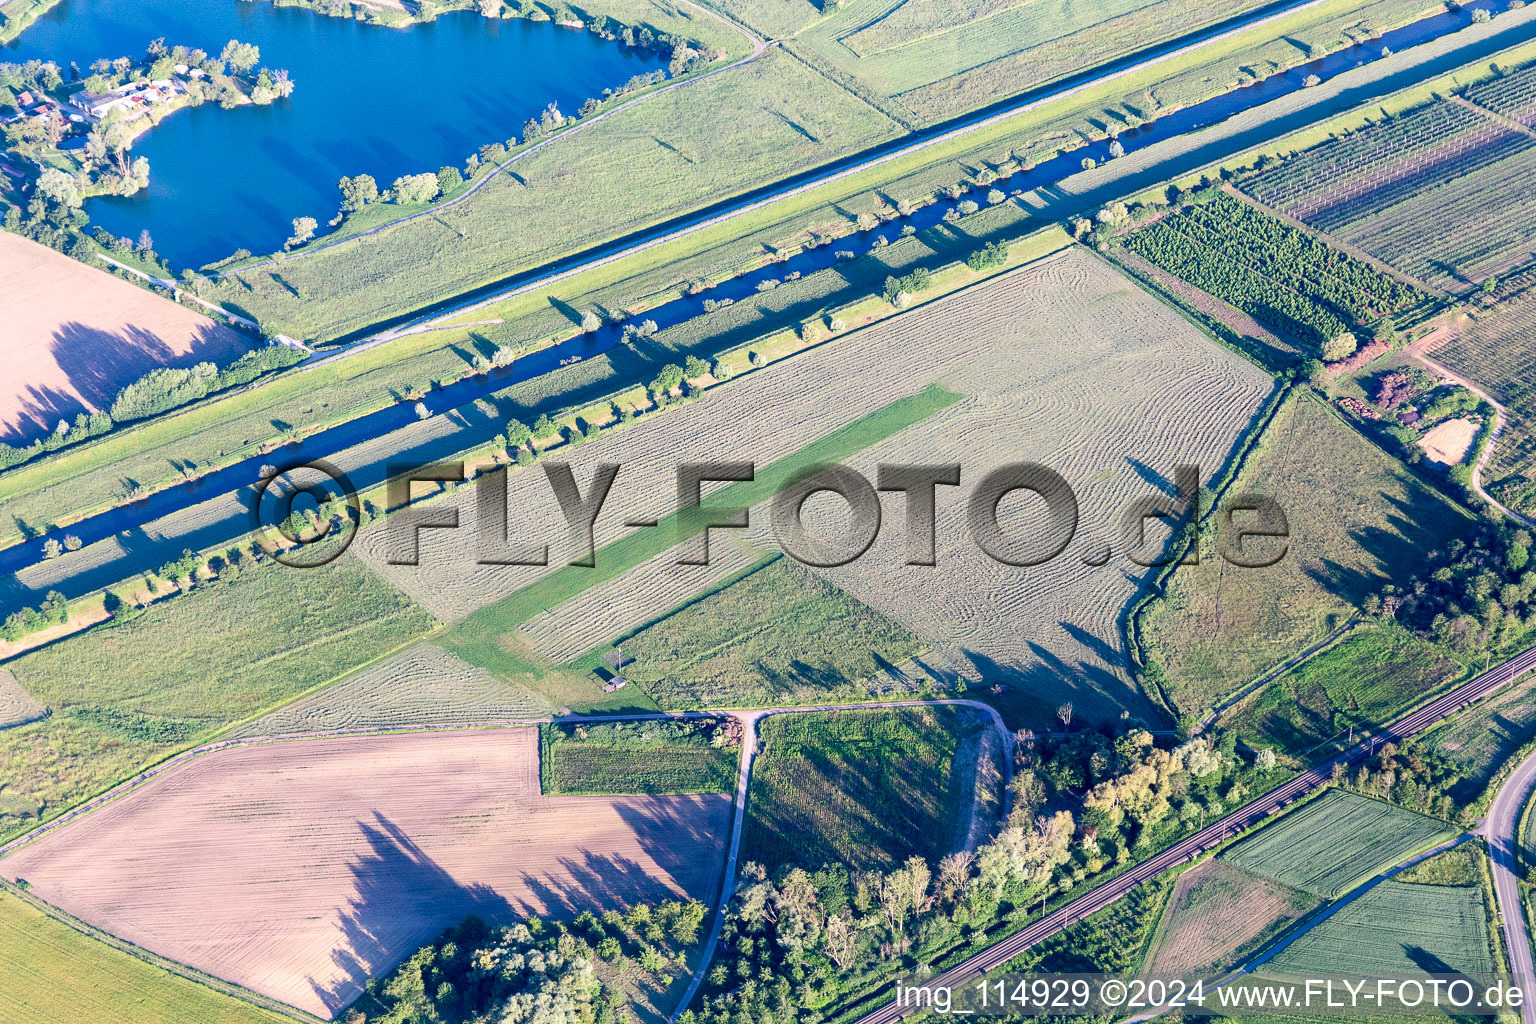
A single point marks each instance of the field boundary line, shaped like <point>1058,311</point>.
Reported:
<point>1217,833</point>
<point>1335,242</point>
<point>1295,661</point>
<point>1493,115</point>
<point>1500,417</point>
<point>175,967</point>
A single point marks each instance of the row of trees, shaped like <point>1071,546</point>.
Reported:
<point>794,943</point>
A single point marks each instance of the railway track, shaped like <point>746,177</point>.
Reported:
<point>1250,814</point>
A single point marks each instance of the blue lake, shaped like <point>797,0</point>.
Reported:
<point>367,100</point>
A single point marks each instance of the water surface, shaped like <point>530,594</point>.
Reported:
<point>368,100</point>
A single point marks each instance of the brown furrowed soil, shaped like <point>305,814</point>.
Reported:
<point>74,336</point>
<point>300,869</point>
<point>1216,914</point>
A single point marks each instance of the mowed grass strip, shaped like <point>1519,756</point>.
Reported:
<point>572,763</point>
<point>1334,843</point>
<point>54,973</point>
<point>477,639</point>
<point>1396,930</point>
<point>867,788</point>
<point>126,694</point>
<point>780,635</point>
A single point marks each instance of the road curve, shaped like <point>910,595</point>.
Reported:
<point>749,720</point>
<point>1501,829</point>
<point>1245,817</point>
<point>1500,415</point>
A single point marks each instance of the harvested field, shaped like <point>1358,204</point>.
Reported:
<point>1064,362</point>
<point>1092,377</point>
<point>55,974</point>
<point>422,685</point>
<point>300,869</point>
<point>1358,519</point>
<point>1448,443</point>
<point>127,693</point>
<point>1396,930</point>
<point>1335,842</point>
<point>16,704</point>
<point>616,606</point>
<point>1218,914</point>
<point>780,635</point>
<point>75,335</point>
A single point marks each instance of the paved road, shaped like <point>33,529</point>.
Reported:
<point>1501,830</point>
<point>967,971</point>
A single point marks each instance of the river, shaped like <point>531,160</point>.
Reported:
<point>367,100</point>
<point>149,535</point>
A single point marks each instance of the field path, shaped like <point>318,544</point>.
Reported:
<point>1500,415</point>
<point>1273,674</point>
<point>749,717</point>
<point>1285,941</point>
<point>1501,829</point>
<point>1212,835</point>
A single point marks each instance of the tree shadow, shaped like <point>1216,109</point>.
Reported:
<point>401,898</point>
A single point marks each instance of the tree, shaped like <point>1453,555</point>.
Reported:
<point>59,187</point>
<point>448,179</point>
<point>1064,712</point>
<point>1116,149</point>
<point>282,83</point>
<point>240,57</point>
<point>518,435</point>
<point>590,322</point>
<point>52,548</point>
<point>414,188</point>
<point>694,368</point>
<point>422,412</point>
<point>357,192</point>
<point>303,231</point>
<point>146,241</point>
<point>71,542</point>
<point>995,196</point>
<point>1264,761</point>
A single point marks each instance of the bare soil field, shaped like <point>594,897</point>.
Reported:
<point>1449,442</point>
<point>422,685</point>
<point>300,869</point>
<point>16,704</point>
<point>74,336</point>
<point>1217,913</point>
